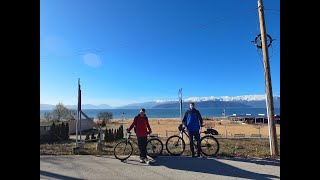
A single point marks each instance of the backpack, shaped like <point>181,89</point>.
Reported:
<point>211,131</point>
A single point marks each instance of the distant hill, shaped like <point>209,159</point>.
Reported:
<point>90,106</point>
<point>147,105</point>
<point>46,107</point>
<point>83,106</point>
<point>203,104</point>
<point>254,101</point>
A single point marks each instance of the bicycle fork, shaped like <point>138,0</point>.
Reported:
<point>126,145</point>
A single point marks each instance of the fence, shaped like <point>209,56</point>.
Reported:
<point>166,128</point>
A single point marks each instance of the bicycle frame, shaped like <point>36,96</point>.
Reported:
<point>181,142</point>
<point>185,132</point>
<point>129,138</point>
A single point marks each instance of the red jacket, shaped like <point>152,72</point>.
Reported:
<point>141,124</point>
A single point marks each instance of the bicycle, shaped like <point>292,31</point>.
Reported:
<point>124,149</point>
<point>175,144</point>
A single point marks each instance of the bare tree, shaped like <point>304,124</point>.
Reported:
<point>47,116</point>
<point>104,116</point>
<point>61,112</point>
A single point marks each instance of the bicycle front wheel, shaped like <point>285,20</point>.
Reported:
<point>209,145</point>
<point>123,150</point>
<point>175,145</point>
<point>154,147</point>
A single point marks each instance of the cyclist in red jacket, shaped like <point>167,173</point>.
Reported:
<point>142,129</point>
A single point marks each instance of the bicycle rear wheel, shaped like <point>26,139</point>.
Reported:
<point>154,147</point>
<point>209,145</point>
<point>175,145</point>
<point>123,150</point>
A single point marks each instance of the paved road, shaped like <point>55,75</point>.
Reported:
<point>164,167</point>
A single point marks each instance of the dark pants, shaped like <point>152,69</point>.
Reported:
<point>196,136</point>
<point>142,143</point>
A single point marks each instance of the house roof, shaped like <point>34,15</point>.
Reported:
<point>46,123</point>
<point>49,123</point>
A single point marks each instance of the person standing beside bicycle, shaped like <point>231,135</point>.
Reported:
<point>193,121</point>
<point>142,129</point>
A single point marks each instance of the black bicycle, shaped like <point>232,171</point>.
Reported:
<point>209,144</point>
<point>124,149</point>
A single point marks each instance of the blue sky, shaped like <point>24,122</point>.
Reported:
<point>127,51</point>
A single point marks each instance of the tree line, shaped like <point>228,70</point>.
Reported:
<point>109,136</point>
<point>57,132</point>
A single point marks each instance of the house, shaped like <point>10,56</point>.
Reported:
<point>45,129</point>
<point>86,124</point>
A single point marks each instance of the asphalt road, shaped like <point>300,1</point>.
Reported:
<point>164,167</point>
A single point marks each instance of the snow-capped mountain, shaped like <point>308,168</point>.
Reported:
<point>229,98</point>
<point>149,104</point>
<point>204,102</point>
<point>210,101</point>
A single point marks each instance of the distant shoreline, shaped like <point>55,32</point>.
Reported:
<point>174,113</point>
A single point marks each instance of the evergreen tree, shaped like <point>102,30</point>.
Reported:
<point>106,136</point>
<point>52,132</point>
<point>63,131</point>
<point>67,131</point>
<point>111,135</point>
<point>121,132</point>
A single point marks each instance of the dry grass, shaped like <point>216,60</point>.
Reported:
<point>169,126</point>
<point>244,147</point>
<point>240,147</point>
<point>56,149</point>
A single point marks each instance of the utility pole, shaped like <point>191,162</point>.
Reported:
<point>79,108</point>
<point>180,100</point>
<point>270,108</point>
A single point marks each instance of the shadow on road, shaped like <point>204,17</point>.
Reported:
<point>58,176</point>
<point>270,162</point>
<point>204,165</point>
<point>51,161</point>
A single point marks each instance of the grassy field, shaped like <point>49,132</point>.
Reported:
<point>229,147</point>
<point>240,147</point>
<point>169,126</point>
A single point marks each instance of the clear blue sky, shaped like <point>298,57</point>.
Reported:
<point>127,51</point>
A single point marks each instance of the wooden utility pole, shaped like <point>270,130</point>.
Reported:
<point>270,108</point>
<point>180,100</point>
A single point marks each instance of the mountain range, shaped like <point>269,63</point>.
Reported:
<point>83,106</point>
<point>254,101</point>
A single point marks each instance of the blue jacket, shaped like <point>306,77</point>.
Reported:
<point>192,120</point>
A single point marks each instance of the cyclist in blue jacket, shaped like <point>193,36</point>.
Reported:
<point>192,120</point>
